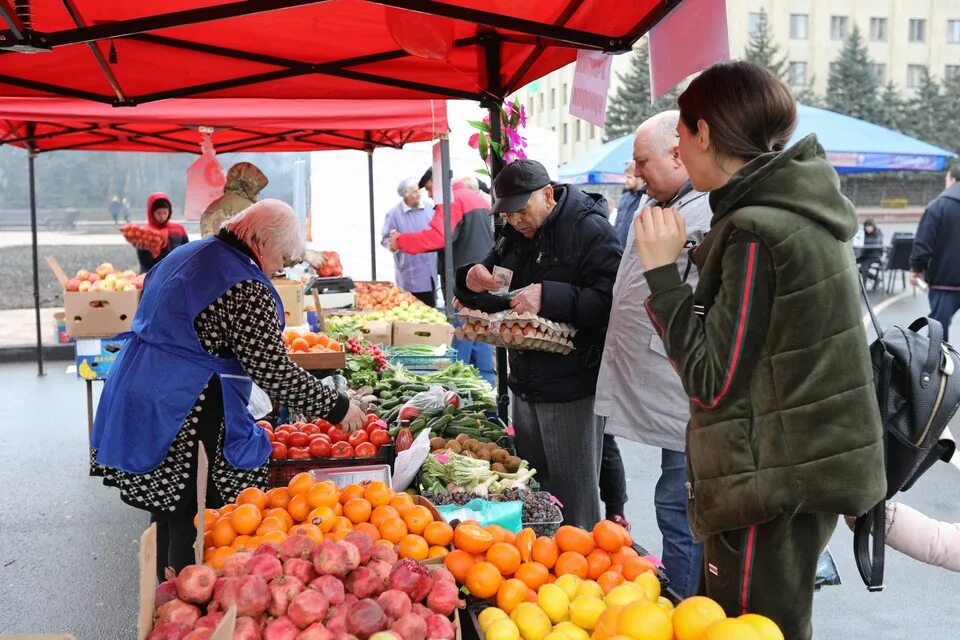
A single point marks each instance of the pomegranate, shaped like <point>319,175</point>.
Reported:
<point>441,574</point>
<point>382,569</point>
<point>199,633</point>
<point>316,631</point>
<point>297,546</point>
<point>236,564</point>
<point>410,627</point>
<point>307,607</point>
<point>366,618</point>
<point>169,631</point>
<point>195,583</point>
<point>438,627</point>
<point>349,600</point>
<point>412,578</point>
<point>268,548</point>
<point>250,594</point>
<point>166,592</point>
<point>180,612</point>
<point>281,628</point>
<point>421,610</point>
<point>384,553</point>
<point>210,620</point>
<point>330,587</point>
<point>337,623</point>
<point>363,543</point>
<point>444,597</point>
<point>265,566</point>
<point>283,589</point>
<point>246,629</point>
<point>395,604</point>
<point>301,569</point>
<point>336,558</point>
<point>364,582</point>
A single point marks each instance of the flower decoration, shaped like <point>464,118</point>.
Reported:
<point>513,117</point>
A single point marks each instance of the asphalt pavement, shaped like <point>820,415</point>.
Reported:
<point>68,562</point>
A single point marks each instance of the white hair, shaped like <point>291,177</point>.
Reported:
<point>271,221</point>
<point>662,129</point>
<point>405,185</point>
<point>469,182</point>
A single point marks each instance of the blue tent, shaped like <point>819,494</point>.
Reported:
<point>852,146</point>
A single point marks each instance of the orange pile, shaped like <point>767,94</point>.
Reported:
<point>495,564</point>
<point>309,342</point>
<point>323,511</point>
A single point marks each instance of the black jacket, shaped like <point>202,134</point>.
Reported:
<point>575,256</point>
<point>936,247</point>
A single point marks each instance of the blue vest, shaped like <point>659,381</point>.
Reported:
<point>162,368</point>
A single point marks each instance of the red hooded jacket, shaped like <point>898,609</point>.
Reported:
<point>174,234</point>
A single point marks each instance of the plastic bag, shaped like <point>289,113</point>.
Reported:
<point>260,403</point>
<point>205,180</point>
<point>508,515</point>
<point>827,573</point>
<point>433,399</point>
<point>408,461</point>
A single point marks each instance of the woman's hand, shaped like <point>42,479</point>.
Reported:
<point>661,234</point>
<point>480,280</point>
<point>528,299</point>
<point>353,421</point>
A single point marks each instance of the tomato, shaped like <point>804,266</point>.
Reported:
<point>278,451</point>
<point>297,453</point>
<point>310,428</point>
<point>341,450</point>
<point>379,437</point>
<point>357,437</point>
<point>283,437</point>
<point>287,428</point>
<point>319,449</point>
<point>299,439</point>
<point>320,436</point>
<point>375,425</point>
<point>264,424</point>
<point>323,424</point>
<point>336,435</point>
<point>371,418</point>
<point>365,450</point>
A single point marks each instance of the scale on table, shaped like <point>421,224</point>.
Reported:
<point>330,293</point>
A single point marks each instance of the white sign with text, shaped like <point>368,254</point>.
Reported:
<point>591,82</point>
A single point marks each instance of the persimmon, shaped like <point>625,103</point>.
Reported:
<point>393,529</point>
<point>323,494</point>
<point>511,593</point>
<point>438,533</point>
<point>402,502</point>
<point>571,562</point>
<point>570,538</point>
<point>533,574</point>
<point>505,557</point>
<point>381,513</point>
<point>598,561</point>
<point>222,534</point>
<point>378,493</point>
<point>458,562</point>
<point>301,483</point>
<point>357,510</point>
<point>545,551</point>
<point>483,580</point>
<point>246,518</point>
<point>635,566</point>
<point>413,546</point>
<point>417,519</point>
<point>299,508</point>
<point>524,543</point>
<point>608,535</point>
<point>278,497</point>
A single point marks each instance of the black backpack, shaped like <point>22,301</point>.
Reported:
<point>918,389</point>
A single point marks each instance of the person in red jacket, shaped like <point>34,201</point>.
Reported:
<point>471,224</point>
<point>159,212</point>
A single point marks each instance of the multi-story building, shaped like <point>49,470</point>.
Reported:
<point>904,38</point>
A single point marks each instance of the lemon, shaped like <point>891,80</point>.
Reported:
<point>556,635</point>
<point>589,588</point>
<point>501,629</point>
<point>666,604</point>
<point>650,583</point>
<point>531,620</point>
<point>624,594</point>
<point>488,615</point>
<point>585,611</point>
<point>645,621</point>
<point>763,625</point>
<point>554,602</point>
<point>572,631</point>
<point>694,615</point>
<point>730,629</point>
<point>569,583</point>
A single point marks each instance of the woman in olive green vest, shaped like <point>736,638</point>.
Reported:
<point>784,429</point>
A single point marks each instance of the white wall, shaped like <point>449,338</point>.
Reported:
<point>339,189</point>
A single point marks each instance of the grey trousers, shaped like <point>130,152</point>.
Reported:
<point>563,441</point>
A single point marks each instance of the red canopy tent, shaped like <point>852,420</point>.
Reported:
<point>50,124</point>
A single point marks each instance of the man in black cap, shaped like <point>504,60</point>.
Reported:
<point>564,255</point>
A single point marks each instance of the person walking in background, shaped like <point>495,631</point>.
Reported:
<point>115,207</point>
<point>414,273</point>
<point>634,191</point>
<point>936,252</point>
<point>244,183</point>
<point>870,243</point>
<point>639,394</point>
<point>159,212</point>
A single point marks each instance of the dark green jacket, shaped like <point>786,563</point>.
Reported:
<point>772,352</point>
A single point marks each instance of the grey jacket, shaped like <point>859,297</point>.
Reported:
<point>638,392</point>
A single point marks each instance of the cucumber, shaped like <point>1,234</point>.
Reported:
<point>449,410</point>
<point>418,424</point>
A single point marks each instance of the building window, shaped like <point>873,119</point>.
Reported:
<point>540,102</point>
<point>951,72</point>
<point>565,137</point>
<point>880,70</point>
<point>553,98</point>
<point>753,22</point>
<point>576,131</point>
<point>915,75</point>
<point>530,106</point>
<point>833,68</point>
<point>797,74</point>
<point>566,93</point>
<point>918,30</point>
<point>953,31</point>
<point>878,29</point>
<point>798,26</point>
<point>838,27</point>
<point>593,131</point>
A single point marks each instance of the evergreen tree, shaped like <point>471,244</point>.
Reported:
<point>808,95</point>
<point>928,112</point>
<point>630,105</point>
<point>852,86</point>
<point>763,51</point>
<point>951,123</point>
<point>891,108</point>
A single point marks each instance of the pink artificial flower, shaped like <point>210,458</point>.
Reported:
<point>474,141</point>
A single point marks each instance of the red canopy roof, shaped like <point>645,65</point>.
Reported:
<point>241,124</point>
<point>136,51</point>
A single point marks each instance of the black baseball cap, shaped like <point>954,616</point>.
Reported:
<point>425,178</point>
<point>516,182</point>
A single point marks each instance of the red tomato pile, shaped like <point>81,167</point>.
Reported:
<point>320,439</point>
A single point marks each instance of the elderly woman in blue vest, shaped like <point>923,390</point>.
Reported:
<point>208,324</point>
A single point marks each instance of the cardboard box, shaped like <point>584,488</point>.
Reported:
<point>422,333</point>
<point>320,361</point>
<point>95,314</point>
<point>95,357</point>
<point>60,331</point>
<point>378,332</point>
<point>291,295</point>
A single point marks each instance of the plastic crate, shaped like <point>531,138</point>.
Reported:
<point>423,363</point>
<point>280,472</point>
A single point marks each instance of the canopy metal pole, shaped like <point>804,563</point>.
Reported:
<point>31,154</point>
<point>447,231</point>
<point>373,222</point>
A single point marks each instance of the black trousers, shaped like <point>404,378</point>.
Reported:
<point>428,298</point>
<point>613,478</point>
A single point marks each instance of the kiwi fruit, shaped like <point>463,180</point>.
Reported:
<point>498,467</point>
<point>437,443</point>
<point>483,454</point>
<point>454,446</point>
<point>512,463</point>
<point>462,438</point>
<point>499,455</point>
